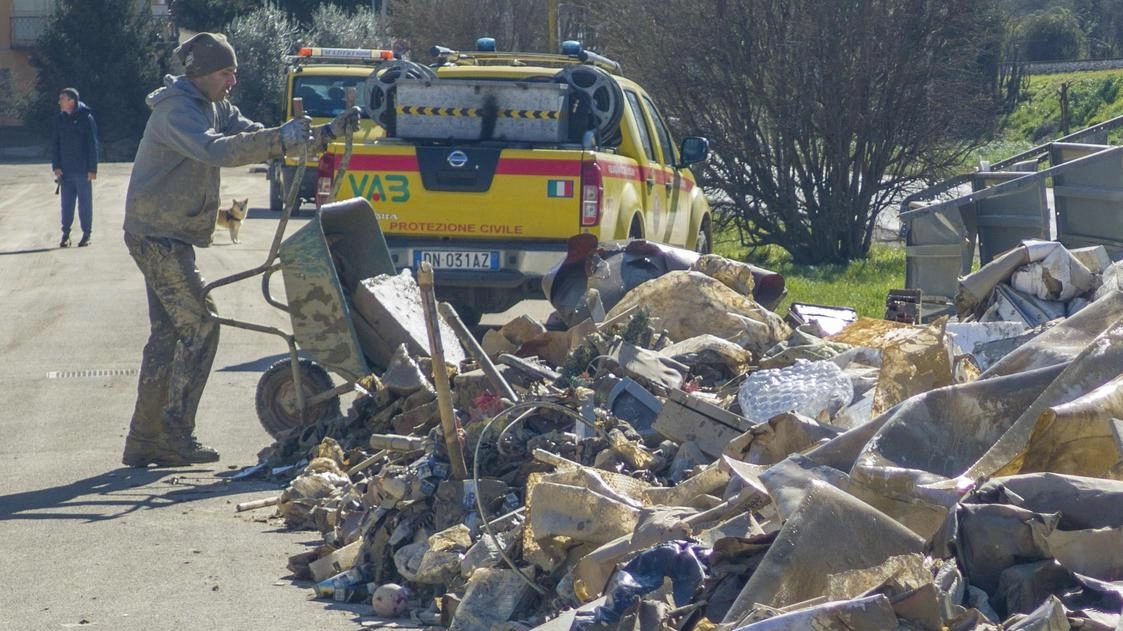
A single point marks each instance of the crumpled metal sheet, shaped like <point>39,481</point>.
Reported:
<point>1098,363</point>
<point>992,537</point>
<point>1053,273</point>
<point>1022,588</point>
<point>790,481</point>
<point>784,434</point>
<point>843,451</point>
<point>913,365</point>
<point>795,569</point>
<point>897,574</point>
<point>932,437</point>
<point>687,304</point>
<point>1082,502</point>
<point>1050,616</point>
<point>645,365</point>
<point>1064,341</point>
<point>1088,538</point>
<point>1080,437</point>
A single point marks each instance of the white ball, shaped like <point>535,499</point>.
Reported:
<point>389,600</point>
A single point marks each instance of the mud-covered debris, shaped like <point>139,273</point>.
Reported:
<point>962,475</point>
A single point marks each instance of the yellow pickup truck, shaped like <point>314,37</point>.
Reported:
<point>492,160</point>
<point>321,79</point>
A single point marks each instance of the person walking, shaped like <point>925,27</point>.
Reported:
<point>171,207</point>
<point>74,160</point>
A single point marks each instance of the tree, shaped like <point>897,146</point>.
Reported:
<point>213,15</point>
<point>338,27</point>
<point>820,115</point>
<point>1051,35</point>
<point>208,15</point>
<point>112,53</point>
<point>515,24</point>
<point>262,38</point>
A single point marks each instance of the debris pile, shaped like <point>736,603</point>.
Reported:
<point>677,456</point>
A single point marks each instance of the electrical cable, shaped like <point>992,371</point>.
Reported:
<point>524,408</point>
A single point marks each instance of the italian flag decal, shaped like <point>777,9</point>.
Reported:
<point>559,188</point>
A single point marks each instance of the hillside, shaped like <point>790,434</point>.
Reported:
<point>1093,97</point>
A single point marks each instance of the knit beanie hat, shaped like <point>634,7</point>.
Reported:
<point>205,53</point>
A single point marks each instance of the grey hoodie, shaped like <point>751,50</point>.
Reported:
<point>173,190</point>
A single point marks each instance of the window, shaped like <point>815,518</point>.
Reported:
<point>663,133</point>
<point>641,122</point>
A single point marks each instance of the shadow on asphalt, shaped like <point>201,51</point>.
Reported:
<point>117,493</point>
<point>257,365</point>
<point>31,251</point>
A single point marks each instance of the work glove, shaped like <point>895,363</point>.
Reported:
<point>347,121</point>
<point>296,133</point>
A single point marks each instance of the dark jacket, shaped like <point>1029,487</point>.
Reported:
<point>74,146</point>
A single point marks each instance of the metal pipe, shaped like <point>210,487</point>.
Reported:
<point>469,342</point>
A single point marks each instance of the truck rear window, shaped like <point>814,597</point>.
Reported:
<point>323,96</point>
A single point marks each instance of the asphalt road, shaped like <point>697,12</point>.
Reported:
<point>87,542</point>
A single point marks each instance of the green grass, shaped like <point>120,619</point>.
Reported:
<point>862,284</point>
<point>1094,97</point>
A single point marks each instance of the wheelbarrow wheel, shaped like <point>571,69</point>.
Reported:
<point>276,397</point>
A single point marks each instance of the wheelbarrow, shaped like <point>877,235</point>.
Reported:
<point>321,264</point>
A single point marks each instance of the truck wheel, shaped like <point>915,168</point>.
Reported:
<point>276,193</point>
<point>704,241</point>
<point>286,179</point>
<point>635,231</point>
<point>276,397</point>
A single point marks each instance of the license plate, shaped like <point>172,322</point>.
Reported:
<point>458,259</point>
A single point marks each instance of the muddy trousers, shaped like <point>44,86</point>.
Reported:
<point>181,346</point>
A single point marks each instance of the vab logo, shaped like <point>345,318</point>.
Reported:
<point>457,159</point>
<point>380,188</point>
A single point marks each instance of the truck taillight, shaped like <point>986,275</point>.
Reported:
<point>325,170</point>
<point>592,193</point>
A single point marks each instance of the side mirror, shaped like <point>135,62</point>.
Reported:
<point>694,149</point>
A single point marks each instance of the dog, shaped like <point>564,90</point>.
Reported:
<point>232,218</point>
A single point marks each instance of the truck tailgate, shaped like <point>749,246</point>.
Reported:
<point>468,192</point>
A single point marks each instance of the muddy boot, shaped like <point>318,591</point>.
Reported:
<point>141,452</point>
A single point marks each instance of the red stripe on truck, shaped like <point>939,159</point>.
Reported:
<point>506,166</point>
<point>360,162</point>
<point>546,168</point>
<point>517,166</point>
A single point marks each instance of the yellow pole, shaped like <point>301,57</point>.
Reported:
<point>440,373</point>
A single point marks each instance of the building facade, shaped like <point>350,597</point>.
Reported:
<point>21,22</point>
